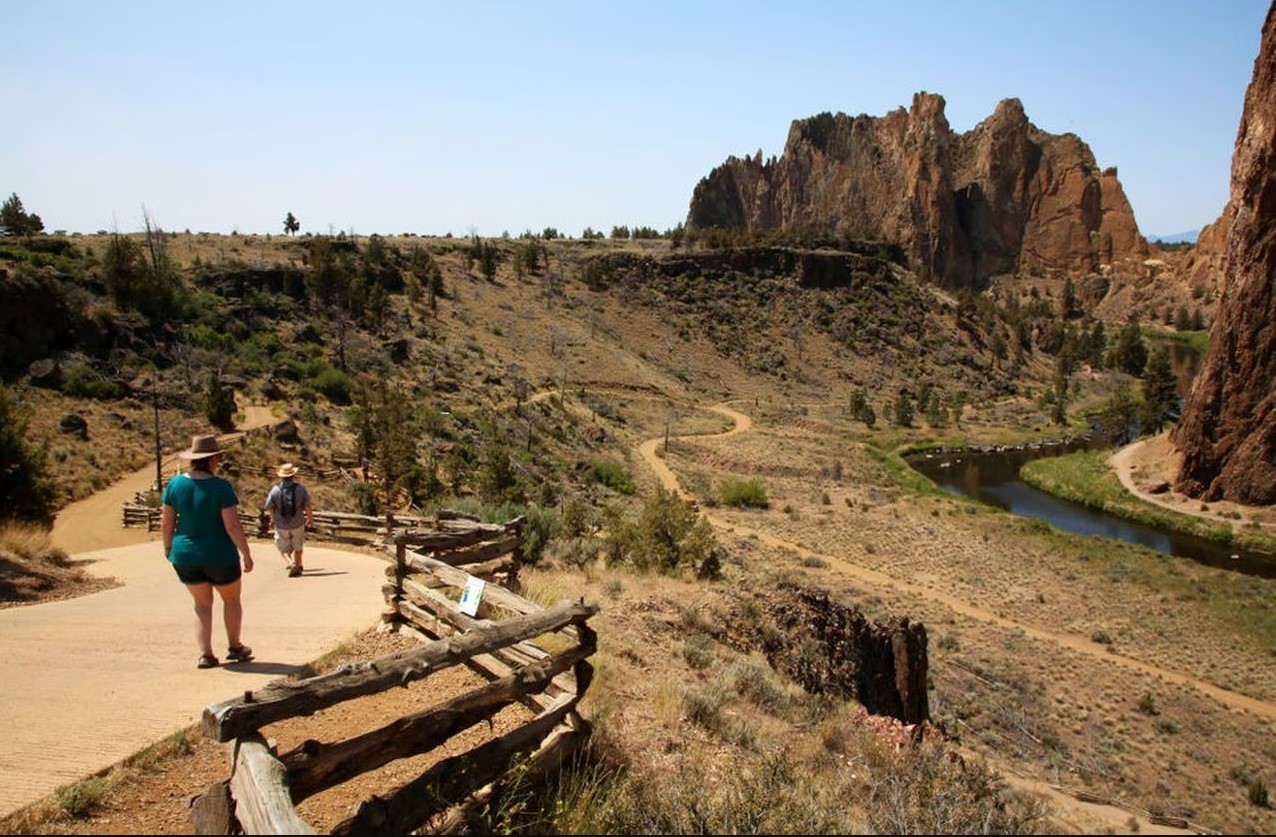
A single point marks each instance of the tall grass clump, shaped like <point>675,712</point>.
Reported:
<point>80,799</point>
<point>744,494</point>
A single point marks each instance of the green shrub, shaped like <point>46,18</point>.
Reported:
<point>668,537</point>
<point>542,526</point>
<point>613,475</point>
<point>80,799</point>
<point>334,384</point>
<point>744,494</point>
<point>697,650</point>
<point>1258,795</point>
<point>79,380</point>
<point>365,497</point>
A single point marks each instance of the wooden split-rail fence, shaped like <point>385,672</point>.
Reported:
<point>341,527</point>
<point>345,473</point>
<point>433,592</point>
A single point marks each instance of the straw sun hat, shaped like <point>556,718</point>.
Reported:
<point>202,447</point>
<point>287,470</point>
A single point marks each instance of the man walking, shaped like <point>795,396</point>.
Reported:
<point>288,505</point>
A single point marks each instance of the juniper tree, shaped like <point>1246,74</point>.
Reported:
<point>27,491</point>
<point>17,219</point>
<point>1160,390</point>
<point>219,404</point>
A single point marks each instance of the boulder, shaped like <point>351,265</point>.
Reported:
<point>74,424</point>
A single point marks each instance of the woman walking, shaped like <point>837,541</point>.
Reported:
<point>201,531</point>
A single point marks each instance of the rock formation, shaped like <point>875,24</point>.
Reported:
<point>1004,198</point>
<point>1228,431</point>
<point>830,648</point>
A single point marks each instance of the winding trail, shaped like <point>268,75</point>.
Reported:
<point>95,522</point>
<point>1072,642</point>
<point>1156,461</point>
<point>88,681</point>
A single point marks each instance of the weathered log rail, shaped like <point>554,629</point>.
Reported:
<point>342,527</point>
<point>432,569</point>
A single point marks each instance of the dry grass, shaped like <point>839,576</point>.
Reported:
<point>33,570</point>
<point>1010,607</point>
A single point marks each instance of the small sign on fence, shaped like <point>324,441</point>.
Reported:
<point>471,594</point>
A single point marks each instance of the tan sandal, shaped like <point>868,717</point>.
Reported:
<point>239,654</point>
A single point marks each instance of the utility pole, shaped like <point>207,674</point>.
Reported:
<point>159,457</point>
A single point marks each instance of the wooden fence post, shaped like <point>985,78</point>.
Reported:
<point>394,590</point>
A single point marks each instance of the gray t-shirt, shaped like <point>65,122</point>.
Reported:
<point>301,499</point>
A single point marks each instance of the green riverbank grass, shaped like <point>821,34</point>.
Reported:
<point>1239,601</point>
<point>1084,477</point>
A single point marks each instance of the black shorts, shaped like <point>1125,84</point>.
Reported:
<point>219,575</point>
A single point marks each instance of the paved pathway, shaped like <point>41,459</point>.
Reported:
<point>86,682</point>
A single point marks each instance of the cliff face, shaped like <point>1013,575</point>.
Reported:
<point>1003,198</point>
<point>1228,430</point>
<point>832,649</point>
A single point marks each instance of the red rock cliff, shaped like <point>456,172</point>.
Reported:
<point>1002,198</point>
<point>1228,430</point>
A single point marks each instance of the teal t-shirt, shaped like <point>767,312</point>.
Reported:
<point>200,538</point>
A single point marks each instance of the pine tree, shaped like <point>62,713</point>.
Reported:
<point>17,219</point>
<point>1160,390</point>
<point>1118,415</point>
<point>903,411</point>
<point>1129,354</point>
<point>219,404</point>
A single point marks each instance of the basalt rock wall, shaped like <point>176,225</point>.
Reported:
<point>830,648</point>
<point>1228,431</point>
<point>1003,198</point>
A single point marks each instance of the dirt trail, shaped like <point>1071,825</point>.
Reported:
<point>667,477</point>
<point>1154,462</point>
<point>1076,643</point>
<point>96,522</point>
<point>1112,816</point>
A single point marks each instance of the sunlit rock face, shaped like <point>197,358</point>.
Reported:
<point>1003,198</point>
<point>1228,431</point>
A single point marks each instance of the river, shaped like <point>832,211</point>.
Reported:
<point>992,477</point>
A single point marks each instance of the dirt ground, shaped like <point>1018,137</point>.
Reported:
<point>1148,467</point>
<point>1126,704</point>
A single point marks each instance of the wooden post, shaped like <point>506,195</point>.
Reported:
<point>159,457</point>
<point>391,615</point>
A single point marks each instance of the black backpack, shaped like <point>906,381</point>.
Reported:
<point>288,500</point>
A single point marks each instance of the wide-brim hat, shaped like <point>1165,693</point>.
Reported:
<point>202,447</point>
<point>287,470</point>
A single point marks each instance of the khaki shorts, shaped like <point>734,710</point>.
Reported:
<point>290,540</point>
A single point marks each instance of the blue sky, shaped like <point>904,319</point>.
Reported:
<point>389,117</point>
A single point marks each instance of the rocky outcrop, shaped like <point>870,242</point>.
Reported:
<point>1228,431</point>
<point>830,648</point>
<point>1004,198</point>
<point>1203,271</point>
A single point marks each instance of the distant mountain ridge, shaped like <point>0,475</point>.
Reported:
<point>1188,237</point>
